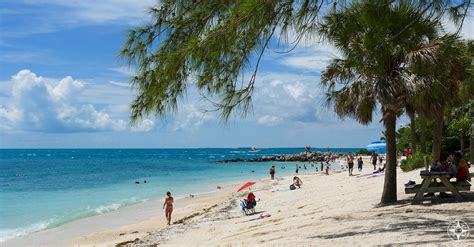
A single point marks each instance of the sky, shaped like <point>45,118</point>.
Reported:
<point>62,85</point>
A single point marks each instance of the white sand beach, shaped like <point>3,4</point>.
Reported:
<point>329,210</point>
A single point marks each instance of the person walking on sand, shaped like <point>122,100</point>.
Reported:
<point>272,172</point>
<point>360,163</point>
<point>350,163</point>
<point>374,160</point>
<point>169,207</point>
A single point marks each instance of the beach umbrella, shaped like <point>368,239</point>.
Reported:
<point>376,146</point>
<point>245,186</point>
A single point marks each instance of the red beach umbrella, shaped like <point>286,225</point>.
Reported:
<point>245,186</point>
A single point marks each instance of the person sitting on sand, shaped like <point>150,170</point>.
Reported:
<point>251,202</point>
<point>297,182</point>
<point>462,173</point>
<point>169,207</point>
<point>380,170</point>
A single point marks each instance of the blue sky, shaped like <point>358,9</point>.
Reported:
<point>62,85</point>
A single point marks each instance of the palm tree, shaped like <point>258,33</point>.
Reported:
<point>410,110</point>
<point>374,67</point>
<point>422,133</point>
<point>446,75</point>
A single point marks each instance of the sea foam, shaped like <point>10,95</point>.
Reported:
<point>6,234</point>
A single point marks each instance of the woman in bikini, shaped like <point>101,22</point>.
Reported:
<point>169,207</point>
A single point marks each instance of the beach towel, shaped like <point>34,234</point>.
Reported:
<point>264,216</point>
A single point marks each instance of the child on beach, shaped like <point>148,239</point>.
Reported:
<point>297,182</point>
<point>360,162</point>
<point>169,207</point>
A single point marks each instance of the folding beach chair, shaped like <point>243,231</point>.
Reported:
<point>248,209</point>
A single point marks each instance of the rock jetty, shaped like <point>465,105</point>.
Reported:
<point>306,156</point>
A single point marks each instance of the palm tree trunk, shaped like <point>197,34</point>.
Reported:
<point>389,194</point>
<point>471,145</point>
<point>422,134</point>
<point>438,135</point>
<point>471,141</point>
<point>411,114</point>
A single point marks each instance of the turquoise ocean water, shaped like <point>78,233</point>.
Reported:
<point>44,188</point>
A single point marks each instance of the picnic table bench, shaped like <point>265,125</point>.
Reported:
<point>429,186</point>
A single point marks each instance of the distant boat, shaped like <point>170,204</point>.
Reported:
<point>254,150</point>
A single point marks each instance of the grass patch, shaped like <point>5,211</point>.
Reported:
<point>415,162</point>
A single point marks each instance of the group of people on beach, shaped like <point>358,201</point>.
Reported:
<point>374,157</point>
<point>350,163</point>
<point>296,180</point>
<point>454,164</point>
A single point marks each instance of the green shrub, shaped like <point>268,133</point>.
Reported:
<point>415,162</point>
<point>364,152</point>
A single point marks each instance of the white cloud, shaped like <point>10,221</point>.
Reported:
<point>310,56</point>
<point>268,120</point>
<point>120,84</point>
<point>315,62</point>
<point>467,31</point>
<point>282,98</point>
<point>27,56</point>
<point>104,11</point>
<point>143,125</point>
<point>52,15</point>
<point>124,70</point>
<point>190,116</point>
<point>51,105</point>
<point>33,103</point>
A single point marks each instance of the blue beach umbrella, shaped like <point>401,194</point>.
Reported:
<point>376,146</point>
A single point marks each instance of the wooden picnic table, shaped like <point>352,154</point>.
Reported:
<point>428,186</point>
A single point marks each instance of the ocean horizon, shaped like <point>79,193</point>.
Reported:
<point>46,188</point>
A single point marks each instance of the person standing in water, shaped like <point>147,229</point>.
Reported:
<point>297,168</point>
<point>169,207</point>
<point>272,172</point>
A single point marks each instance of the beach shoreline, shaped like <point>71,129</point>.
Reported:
<point>146,215</point>
<point>99,228</point>
<point>327,210</point>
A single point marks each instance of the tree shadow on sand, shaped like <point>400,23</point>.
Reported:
<point>429,201</point>
<point>414,225</point>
